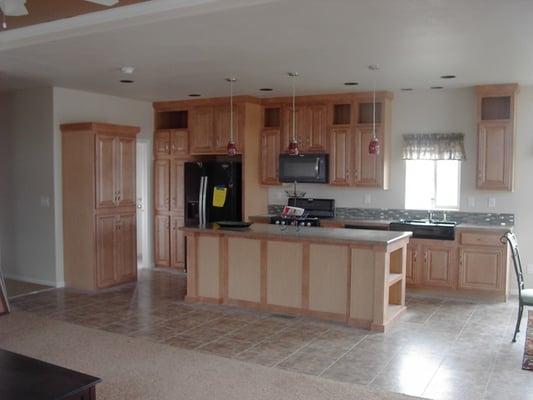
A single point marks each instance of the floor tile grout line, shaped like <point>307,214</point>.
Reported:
<point>300,348</point>
<point>493,366</point>
<point>263,341</point>
<point>342,355</point>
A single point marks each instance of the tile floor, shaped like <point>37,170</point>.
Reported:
<point>440,348</point>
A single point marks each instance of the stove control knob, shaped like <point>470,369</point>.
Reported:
<point>309,224</point>
<point>277,222</point>
<point>282,222</point>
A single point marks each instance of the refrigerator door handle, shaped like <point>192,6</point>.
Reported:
<point>204,203</point>
<point>201,202</point>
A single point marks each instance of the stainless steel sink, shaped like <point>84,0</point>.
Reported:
<point>426,229</point>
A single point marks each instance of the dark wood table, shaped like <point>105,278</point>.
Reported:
<point>23,378</point>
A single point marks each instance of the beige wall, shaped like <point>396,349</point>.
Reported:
<point>30,250</point>
<point>449,110</point>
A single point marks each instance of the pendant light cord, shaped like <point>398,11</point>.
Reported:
<point>374,107</point>
<point>231,110</point>
<point>293,108</point>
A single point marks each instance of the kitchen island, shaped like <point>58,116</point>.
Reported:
<point>349,275</point>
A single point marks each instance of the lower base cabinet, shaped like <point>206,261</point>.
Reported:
<point>116,249</point>
<point>480,269</point>
<point>438,266</point>
<point>169,241</point>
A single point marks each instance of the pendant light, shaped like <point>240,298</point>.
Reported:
<point>373,146</point>
<point>293,143</point>
<point>231,148</point>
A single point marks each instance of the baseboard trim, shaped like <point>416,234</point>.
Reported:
<point>33,280</point>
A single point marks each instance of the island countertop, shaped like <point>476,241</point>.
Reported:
<point>326,235</point>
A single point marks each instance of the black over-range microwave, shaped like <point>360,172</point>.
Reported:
<point>305,168</point>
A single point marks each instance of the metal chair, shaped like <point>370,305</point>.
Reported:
<point>525,296</point>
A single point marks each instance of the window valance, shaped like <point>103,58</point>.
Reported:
<point>434,146</point>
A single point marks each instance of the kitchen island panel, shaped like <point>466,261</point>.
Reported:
<point>244,270</point>
<point>284,274</point>
<point>208,267</point>
<point>328,278</point>
<point>362,284</point>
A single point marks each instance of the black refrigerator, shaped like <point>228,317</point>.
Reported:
<point>213,192</point>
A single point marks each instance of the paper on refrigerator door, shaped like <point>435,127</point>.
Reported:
<point>219,196</point>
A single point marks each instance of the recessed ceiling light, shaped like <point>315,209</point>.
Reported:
<point>437,87</point>
<point>127,81</point>
<point>448,76</point>
<point>266,89</point>
<point>351,83</point>
<point>195,95</point>
<point>407,89</point>
<point>127,69</point>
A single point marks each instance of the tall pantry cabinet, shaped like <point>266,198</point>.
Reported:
<point>99,204</point>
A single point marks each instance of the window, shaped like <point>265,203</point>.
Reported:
<point>432,184</point>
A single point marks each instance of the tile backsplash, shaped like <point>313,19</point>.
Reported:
<point>393,214</point>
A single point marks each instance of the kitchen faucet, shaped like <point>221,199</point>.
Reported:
<point>430,215</point>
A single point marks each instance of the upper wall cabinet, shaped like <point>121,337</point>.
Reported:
<point>210,129</point>
<point>171,143</point>
<point>496,106</point>
<point>311,128</point>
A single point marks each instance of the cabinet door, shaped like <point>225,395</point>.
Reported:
<point>270,140</point>
<point>106,195</point>
<point>438,266</point>
<point>162,240</point>
<point>201,136</point>
<point>126,262</point>
<point>301,128</point>
<point>368,167</point>
<point>481,268</point>
<point>316,134</point>
<point>161,143</point>
<point>411,270</point>
<point>222,128</point>
<point>177,243</point>
<point>125,172</point>
<point>162,185</point>
<point>106,241</point>
<point>495,156</point>
<point>340,156</point>
<point>177,194</point>
<point>179,143</point>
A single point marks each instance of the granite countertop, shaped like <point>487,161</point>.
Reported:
<point>384,223</point>
<point>326,235</point>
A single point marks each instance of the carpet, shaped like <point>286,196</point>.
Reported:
<point>134,368</point>
<point>528,348</point>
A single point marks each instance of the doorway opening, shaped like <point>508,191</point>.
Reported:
<point>142,173</point>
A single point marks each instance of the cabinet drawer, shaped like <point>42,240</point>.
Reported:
<point>480,239</point>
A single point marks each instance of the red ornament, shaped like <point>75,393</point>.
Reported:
<point>231,149</point>
<point>373,146</point>
<point>293,148</point>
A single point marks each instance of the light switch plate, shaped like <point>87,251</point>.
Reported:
<point>367,199</point>
<point>45,202</point>
<point>492,202</point>
<point>529,269</point>
<point>471,202</point>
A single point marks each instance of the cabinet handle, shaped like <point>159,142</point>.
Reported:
<point>415,255</point>
<point>426,258</point>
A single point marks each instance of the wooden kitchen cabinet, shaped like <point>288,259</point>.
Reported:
<point>162,240</point>
<point>438,266</point>
<point>115,170</point>
<point>316,132</point>
<point>162,185</point>
<point>201,140</point>
<point>171,142</point>
<point>481,268</point>
<point>496,105</point>
<point>412,268</point>
<point>340,156</point>
<point>210,129</point>
<point>270,150</point>
<point>369,168</point>
<point>161,143</point>
<point>301,128</point>
<point>99,204</point>
<point>177,194</point>
<point>177,242</point>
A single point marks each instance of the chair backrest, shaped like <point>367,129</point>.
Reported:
<point>517,262</point>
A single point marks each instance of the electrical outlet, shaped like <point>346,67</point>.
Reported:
<point>367,199</point>
<point>492,202</point>
<point>471,202</point>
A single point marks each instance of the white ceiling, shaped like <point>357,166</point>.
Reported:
<point>190,46</point>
